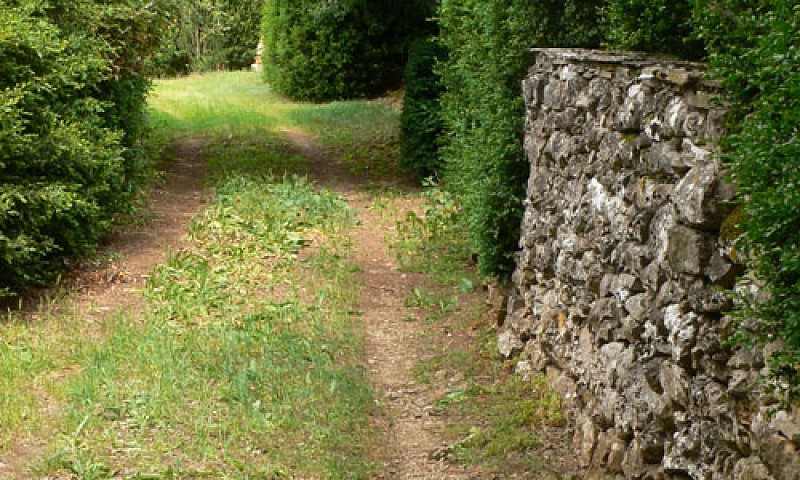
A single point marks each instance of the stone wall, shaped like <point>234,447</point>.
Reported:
<point>618,294</point>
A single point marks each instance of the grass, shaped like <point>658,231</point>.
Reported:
<point>245,120</point>
<point>496,419</point>
<point>237,370</point>
<point>244,362</point>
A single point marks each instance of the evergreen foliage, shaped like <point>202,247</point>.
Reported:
<point>72,93</point>
<point>759,68</point>
<point>421,121</point>
<point>211,34</point>
<point>488,44</point>
<point>655,26</point>
<point>322,50</point>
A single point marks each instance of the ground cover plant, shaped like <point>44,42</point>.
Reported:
<point>496,419</point>
<point>244,361</point>
<point>236,369</point>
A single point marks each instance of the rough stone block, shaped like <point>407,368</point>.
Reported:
<point>694,194</point>
<point>675,383</point>
<point>687,250</point>
<point>751,468</point>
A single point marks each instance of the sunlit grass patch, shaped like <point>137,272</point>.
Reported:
<point>37,349</point>
<point>243,119</point>
<point>500,423</point>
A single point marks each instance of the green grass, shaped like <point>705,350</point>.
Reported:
<point>494,418</point>
<point>245,361</point>
<point>237,370</point>
<point>435,242</point>
<point>245,120</point>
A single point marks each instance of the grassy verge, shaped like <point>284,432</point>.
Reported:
<point>497,420</point>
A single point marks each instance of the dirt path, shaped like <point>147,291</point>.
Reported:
<point>411,430</point>
<point>412,442</point>
<point>394,345</point>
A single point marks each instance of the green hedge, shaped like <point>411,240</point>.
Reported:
<point>322,50</point>
<point>488,42</point>
<point>421,122</point>
<point>758,67</point>
<point>72,93</point>
<point>655,26</point>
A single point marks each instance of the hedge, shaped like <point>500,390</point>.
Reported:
<point>321,50</point>
<point>488,43</point>
<point>72,93</point>
<point>421,124</point>
<point>759,69</point>
<point>655,26</point>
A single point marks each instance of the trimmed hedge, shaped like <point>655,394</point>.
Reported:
<point>656,26</point>
<point>421,122</point>
<point>761,75</point>
<point>72,96</point>
<point>488,43</point>
<point>321,50</point>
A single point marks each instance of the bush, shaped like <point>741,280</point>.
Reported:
<point>321,50</point>
<point>758,69</point>
<point>656,26</point>
<point>421,121</point>
<point>482,108</point>
<point>72,92</point>
<point>488,44</point>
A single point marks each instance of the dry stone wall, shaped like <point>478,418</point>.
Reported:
<point>619,291</point>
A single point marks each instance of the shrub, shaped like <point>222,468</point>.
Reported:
<point>656,26</point>
<point>71,109</point>
<point>488,45</point>
<point>758,69</point>
<point>421,121</point>
<point>321,50</point>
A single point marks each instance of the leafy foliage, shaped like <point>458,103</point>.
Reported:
<point>657,26</point>
<point>421,122</point>
<point>211,34</point>
<point>320,50</point>
<point>72,92</point>
<point>760,75</point>
<point>488,44</point>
